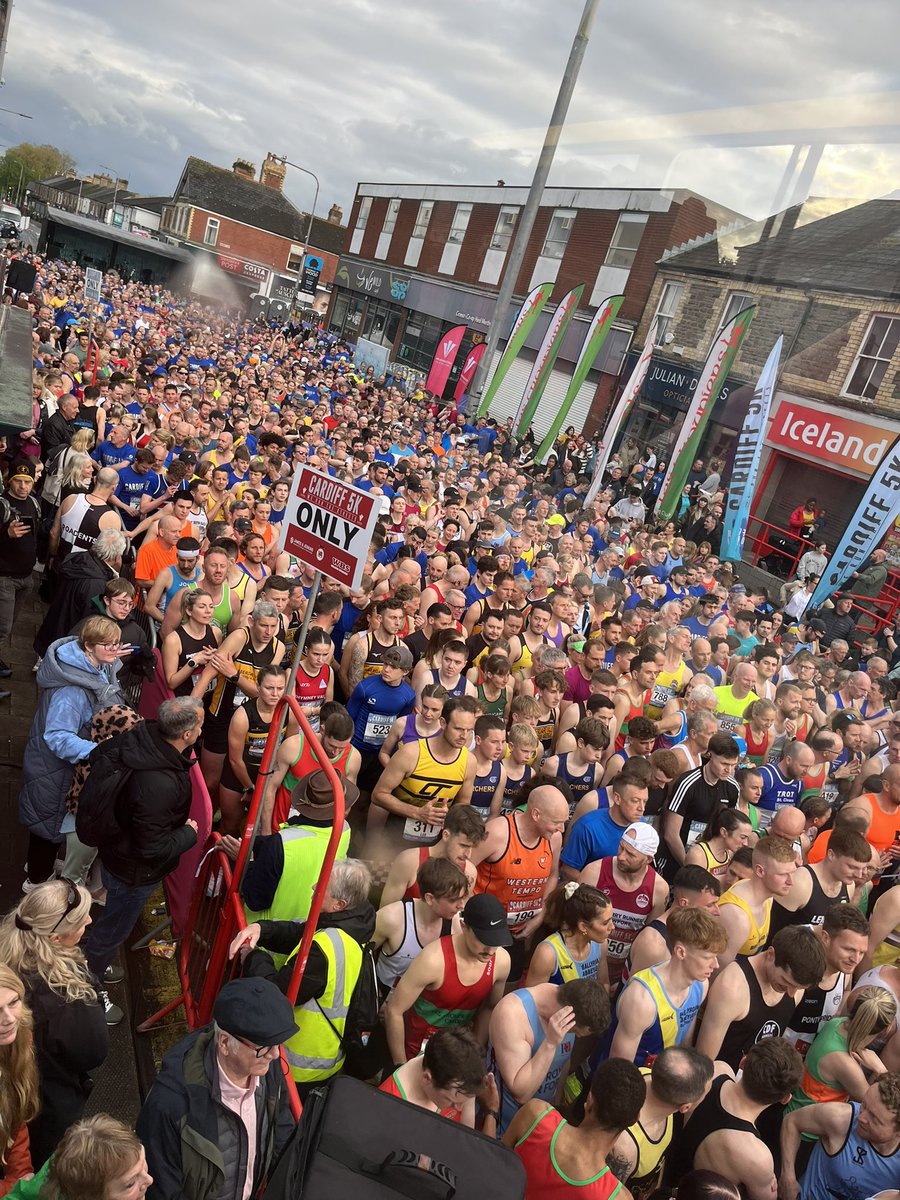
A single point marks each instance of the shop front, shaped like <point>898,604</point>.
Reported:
<point>818,450</point>
<point>665,398</point>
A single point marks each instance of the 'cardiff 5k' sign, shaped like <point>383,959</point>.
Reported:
<point>328,525</point>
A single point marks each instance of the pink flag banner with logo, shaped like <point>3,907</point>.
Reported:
<point>473,358</point>
<point>444,358</point>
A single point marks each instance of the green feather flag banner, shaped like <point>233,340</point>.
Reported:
<point>523,325</point>
<point>546,357</point>
<point>718,363</point>
<point>591,347</point>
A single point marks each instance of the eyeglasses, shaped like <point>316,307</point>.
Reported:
<point>109,645</point>
<point>259,1051</point>
<point>73,900</point>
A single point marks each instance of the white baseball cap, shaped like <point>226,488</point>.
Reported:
<point>642,838</point>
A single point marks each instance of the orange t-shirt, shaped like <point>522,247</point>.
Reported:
<point>152,558</point>
<point>884,826</point>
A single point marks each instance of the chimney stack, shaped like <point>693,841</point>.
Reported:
<point>335,214</point>
<point>244,169</point>
<point>272,172</point>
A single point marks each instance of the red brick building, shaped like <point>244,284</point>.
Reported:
<point>420,259</point>
<point>248,231</point>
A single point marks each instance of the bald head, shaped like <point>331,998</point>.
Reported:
<point>788,823</point>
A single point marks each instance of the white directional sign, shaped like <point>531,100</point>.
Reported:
<point>93,284</point>
<point>328,525</point>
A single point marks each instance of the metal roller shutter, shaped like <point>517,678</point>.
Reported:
<point>509,394</point>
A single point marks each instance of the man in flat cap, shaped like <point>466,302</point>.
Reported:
<point>217,1116</point>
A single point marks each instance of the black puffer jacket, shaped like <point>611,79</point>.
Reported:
<point>153,808</point>
<point>71,1039</point>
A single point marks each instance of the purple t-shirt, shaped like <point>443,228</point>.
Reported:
<point>577,687</point>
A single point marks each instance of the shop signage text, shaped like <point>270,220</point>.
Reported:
<point>383,284</point>
<point>237,266</point>
<point>841,441</point>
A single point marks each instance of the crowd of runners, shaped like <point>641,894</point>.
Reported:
<point>622,832</point>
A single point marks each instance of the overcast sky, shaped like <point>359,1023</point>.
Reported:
<point>460,92</point>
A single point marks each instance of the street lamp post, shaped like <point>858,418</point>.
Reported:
<point>103,167</point>
<point>287,162</point>
<point>525,223</point>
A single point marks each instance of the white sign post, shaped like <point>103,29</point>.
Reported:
<point>93,284</point>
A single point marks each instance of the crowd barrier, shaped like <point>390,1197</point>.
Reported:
<point>203,893</point>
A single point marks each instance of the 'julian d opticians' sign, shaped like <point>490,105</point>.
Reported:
<point>379,282</point>
<point>669,385</point>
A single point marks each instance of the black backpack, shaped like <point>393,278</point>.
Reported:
<point>96,820</point>
<point>362,1018</point>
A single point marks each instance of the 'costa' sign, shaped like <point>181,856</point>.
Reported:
<point>328,525</point>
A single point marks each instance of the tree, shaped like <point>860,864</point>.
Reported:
<point>27,162</point>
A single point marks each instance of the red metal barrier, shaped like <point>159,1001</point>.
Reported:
<point>216,915</point>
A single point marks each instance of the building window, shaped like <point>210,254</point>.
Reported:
<point>460,224</point>
<point>390,217</point>
<point>365,207</point>
<point>382,322</point>
<point>503,230</point>
<point>296,257</point>
<point>423,219</point>
<point>669,300</point>
<point>625,240</point>
<point>874,357</point>
<point>737,302</point>
<point>211,236</point>
<point>558,233</point>
<point>419,341</point>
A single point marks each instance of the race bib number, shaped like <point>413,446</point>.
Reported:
<point>616,949</point>
<point>420,831</point>
<point>695,832</point>
<point>378,726</point>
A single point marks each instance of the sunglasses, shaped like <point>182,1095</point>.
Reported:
<point>73,900</point>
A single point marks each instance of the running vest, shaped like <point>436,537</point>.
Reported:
<point>710,1116</point>
<point>857,1169</point>
<point>634,710</point>
<point>226,696</point>
<point>884,826</point>
<point>762,1020</point>
<point>549,1085</point>
<point>394,1087</point>
<point>668,685</point>
<point>519,876</point>
<point>223,612</point>
<point>649,1154</point>
<point>546,728</point>
<point>814,1087</point>
<point>756,938</point>
<point>715,866</point>
<point>375,653</point>
<point>812,912</point>
<point>304,764</point>
<point>817,1006</point>
<point>311,689</point>
<point>579,784</point>
<point>450,1006</point>
<point>316,1051</point>
<point>484,789</point>
<point>568,967</point>
<point>491,708</point>
<point>430,780</point>
<point>79,527</point>
<point>511,788</point>
<point>672,1023</point>
<point>757,749</point>
<point>392,964</point>
<point>255,740</point>
<point>191,645</point>
<point>458,689</point>
<point>667,741</point>
<point>177,584</point>
<point>630,912</point>
<point>536,1149</point>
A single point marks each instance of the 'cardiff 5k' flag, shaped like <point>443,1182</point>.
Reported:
<point>546,357</point>
<point>747,457</point>
<point>877,511</point>
<point>522,326</point>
